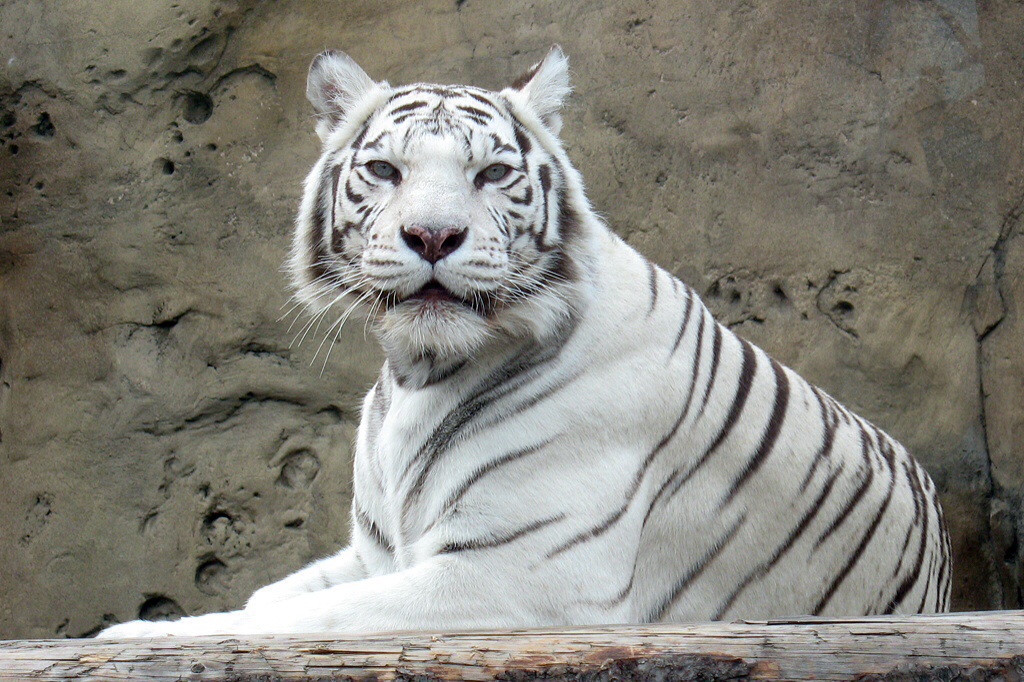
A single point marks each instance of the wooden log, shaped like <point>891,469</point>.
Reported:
<point>960,646</point>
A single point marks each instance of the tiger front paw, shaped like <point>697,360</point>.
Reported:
<point>229,623</point>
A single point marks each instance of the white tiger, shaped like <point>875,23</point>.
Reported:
<point>561,434</point>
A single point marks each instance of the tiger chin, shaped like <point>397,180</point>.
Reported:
<point>561,434</point>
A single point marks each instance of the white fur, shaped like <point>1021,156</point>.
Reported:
<point>614,419</point>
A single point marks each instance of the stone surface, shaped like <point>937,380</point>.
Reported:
<point>842,181</point>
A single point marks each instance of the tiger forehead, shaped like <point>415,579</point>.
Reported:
<point>478,120</point>
<point>446,103</point>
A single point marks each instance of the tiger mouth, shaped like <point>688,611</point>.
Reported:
<point>435,292</point>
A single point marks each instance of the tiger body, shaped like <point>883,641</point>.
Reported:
<point>562,433</point>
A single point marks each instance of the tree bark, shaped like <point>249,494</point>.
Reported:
<point>960,646</point>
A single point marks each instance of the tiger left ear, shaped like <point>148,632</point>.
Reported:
<point>545,87</point>
<point>334,86</point>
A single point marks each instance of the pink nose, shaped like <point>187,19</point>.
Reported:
<point>433,244</point>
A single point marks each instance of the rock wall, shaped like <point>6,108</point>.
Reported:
<point>843,181</point>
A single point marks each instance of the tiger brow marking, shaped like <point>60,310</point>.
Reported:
<point>409,106</point>
<point>683,583</point>
<point>375,142</point>
<point>522,139</point>
<point>859,551</point>
<point>360,136</point>
<point>498,145</point>
<point>480,98</point>
<point>498,541</point>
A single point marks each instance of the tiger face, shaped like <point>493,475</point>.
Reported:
<point>445,211</point>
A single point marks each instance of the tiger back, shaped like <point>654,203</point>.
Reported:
<point>562,434</point>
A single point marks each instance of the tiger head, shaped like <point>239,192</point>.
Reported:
<point>450,214</point>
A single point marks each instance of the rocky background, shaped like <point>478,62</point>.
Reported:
<point>843,181</point>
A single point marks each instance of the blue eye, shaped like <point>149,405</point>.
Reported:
<point>384,170</point>
<point>493,173</point>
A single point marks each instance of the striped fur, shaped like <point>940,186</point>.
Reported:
<point>562,433</point>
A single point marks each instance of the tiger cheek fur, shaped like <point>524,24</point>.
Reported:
<point>562,433</point>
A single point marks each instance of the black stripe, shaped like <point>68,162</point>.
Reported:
<point>498,145</point>
<point>795,534</point>
<point>678,478</point>
<point>371,529</point>
<point>528,403</point>
<point>351,194</point>
<point>682,330</point>
<point>771,433</point>
<point>410,106</point>
<point>544,173</point>
<point>828,439</point>
<point>375,142</point>
<point>744,384</point>
<point>927,585</point>
<point>858,552</point>
<point>480,98</point>
<point>855,499</point>
<point>362,136</point>
<point>499,383</point>
<point>498,541</point>
<point>525,199</point>
<point>694,573</point>
<point>474,112</point>
<point>652,285</point>
<point>522,139</point>
<point>716,351</point>
<point>318,233</point>
<point>483,470</point>
<point>912,577</point>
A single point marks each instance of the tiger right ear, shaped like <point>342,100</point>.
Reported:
<point>545,87</point>
<point>335,84</point>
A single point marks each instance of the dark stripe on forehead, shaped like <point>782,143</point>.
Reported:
<point>410,106</point>
<point>375,142</point>
<point>479,97</point>
<point>499,145</point>
<point>473,111</point>
<point>360,137</point>
<point>521,138</point>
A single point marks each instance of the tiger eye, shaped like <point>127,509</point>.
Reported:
<point>494,172</point>
<point>384,170</point>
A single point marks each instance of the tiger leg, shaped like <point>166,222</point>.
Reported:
<point>343,567</point>
<point>443,593</point>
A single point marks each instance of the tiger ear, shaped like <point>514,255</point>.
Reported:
<point>545,86</point>
<point>334,85</point>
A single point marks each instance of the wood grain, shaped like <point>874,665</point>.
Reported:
<point>961,646</point>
